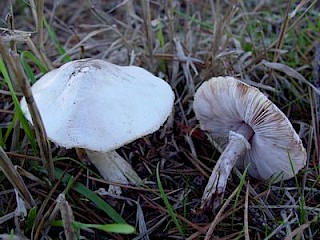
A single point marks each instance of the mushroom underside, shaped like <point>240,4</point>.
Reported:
<point>228,110</point>
<point>113,168</point>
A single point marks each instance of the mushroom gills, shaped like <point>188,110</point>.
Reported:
<point>238,144</point>
<point>114,168</point>
<point>224,104</point>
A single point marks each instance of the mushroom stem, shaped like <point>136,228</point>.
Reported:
<point>238,143</point>
<point>115,168</point>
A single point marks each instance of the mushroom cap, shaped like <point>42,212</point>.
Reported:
<point>100,106</point>
<point>223,104</point>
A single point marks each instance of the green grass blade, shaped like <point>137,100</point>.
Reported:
<point>242,181</point>
<point>79,163</point>
<point>25,125</point>
<point>28,55</point>
<point>10,127</point>
<point>114,228</point>
<point>54,39</point>
<point>30,219</point>
<point>121,228</point>
<point>1,138</point>
<point>92,196</point>
<point>302,204</point>
<point>205,25</point>
<point>168,205</point>
<point>160,38</point>
<point>295,175</point>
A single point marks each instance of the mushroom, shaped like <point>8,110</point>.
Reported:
<point>98,106</point>
<point>250,131</point>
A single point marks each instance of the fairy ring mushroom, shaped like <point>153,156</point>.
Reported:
<point>98,106</point>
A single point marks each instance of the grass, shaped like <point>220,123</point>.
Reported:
<point>168,205</point>
<point>18,110</point>
<point>268,44</point>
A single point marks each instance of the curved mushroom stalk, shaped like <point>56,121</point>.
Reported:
<point>114,168</point>
<point>228,108</point>
<point>238,144</point>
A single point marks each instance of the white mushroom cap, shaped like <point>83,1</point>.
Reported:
<point>223,104</point>
<point>100,106</point>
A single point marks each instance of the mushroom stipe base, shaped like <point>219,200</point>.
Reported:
<point>114,168</point>
<point>238,143</point>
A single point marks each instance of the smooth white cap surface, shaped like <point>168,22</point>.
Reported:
<point>100,106</point>
<point>223,104</point>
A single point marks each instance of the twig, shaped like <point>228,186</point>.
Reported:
<point>301,228</point>
<point>34,11</point>
<point>316,100</point>
<point>39,29</point>
<point>13,176</point>
<point>11,27</point>
<point>258,198</point>
<point>39,24</point>
<point>67,217</point>
<point>219,214</point>
<point>43,213</point>
<point>283,31</point>
<point>147,20</point>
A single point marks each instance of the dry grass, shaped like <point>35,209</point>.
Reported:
<point>268,44</point>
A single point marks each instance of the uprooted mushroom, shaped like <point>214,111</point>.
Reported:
<point>251,132</point>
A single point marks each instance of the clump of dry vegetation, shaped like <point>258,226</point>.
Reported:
<point>271,45</point>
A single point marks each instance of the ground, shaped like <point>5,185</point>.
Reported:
<point>272,45</point>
